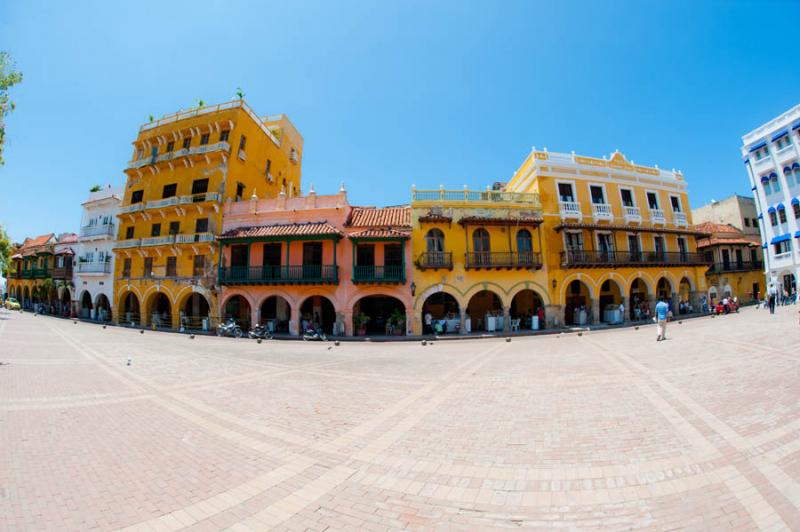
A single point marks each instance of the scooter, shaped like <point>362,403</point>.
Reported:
<point>314,335</point>
<point>260,332</point>
<point>230,328</point>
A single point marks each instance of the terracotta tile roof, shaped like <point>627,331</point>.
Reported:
<point>724,234</point>
<point>711,227</point>
<point>277,230</point>
<point>36,242</point>
<point>380,233</point>
<point>383,217</point>
<point>68,238</point>
<point>715,240</point>
<point>65,251</point>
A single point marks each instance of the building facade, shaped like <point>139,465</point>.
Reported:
<point>737,269</point>
<point>772,159</point>
<point>315,261</point>
<point>737,211</point>
<point>30,277</point>
<point>185,167</point>
<point>612,232</point>
<point>94,255</point>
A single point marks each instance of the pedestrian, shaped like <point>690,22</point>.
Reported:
<point>772,295</point>
<point>428,320</point>
<point>662,311</point>
<point>621,312</point>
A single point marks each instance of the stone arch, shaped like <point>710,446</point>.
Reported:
<point>586,280</point>
<point>384,312</point>
<point>491,286</point>
<point>193,305</point>
<point>578,297</point>
<point>318,310</point>
<point>275,311</point>
<point>158,307</point>
<point>665,287</point>
<point>531,285</point>
<point>639,293</point>
<point>26,296</point>
<point>85,305</point>
<point>526,304</point>
<point>129,306</point>
<point>451,290</point>
<point>444,308</point>
<point>102,307</point>
<point>611,293</point>
<point>484,307</point>
<point>239,307</point>
<point>65,300</point>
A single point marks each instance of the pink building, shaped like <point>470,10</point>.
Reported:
<point>316,261</point>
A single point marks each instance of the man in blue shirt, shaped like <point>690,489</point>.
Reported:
<point>662,311</point>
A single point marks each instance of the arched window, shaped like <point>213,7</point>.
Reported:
<point>480,245</point>
<point>434,240</point>
<point>525,246</point>
<point>796,173</point>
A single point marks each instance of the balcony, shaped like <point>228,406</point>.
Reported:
<point>503,260</point>
<point>92,231</point>
<point>657,216</point>
<point>593,259</point>
<point>130,209</point>
<point>63,272</point>
<point>130,243</point>
<point>40,273</point>
<point>166,202</point>
<point>477,197</point>
<point>602,211</point>
<point>171,155</point>
<point>94,267</point>
<point>158,240</point>
<point>199,198</point>
<point>379,274</point>
<point>570,209</point>
<point>193,238</point>
<point>303,274</point>
<point>736,266</point>
<point>680,219</point>
<point>435,260</point>
<point>27,274</point>
<point>632,214</point>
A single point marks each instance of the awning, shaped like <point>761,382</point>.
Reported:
<point>771,209</point>
<point>780,207</point>
<point>773,175</point>
<point>795,201</point>
<point>797,234</point>
<point>796,125</point>
<point>763,246</point>
<point>795,165</point>
<point>758,146</point>
<point>765,179</point>
<point>780,134</point>
<point>786,170</point>
<point>752,188</point>
<point>781,238</point>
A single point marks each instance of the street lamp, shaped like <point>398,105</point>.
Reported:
<point>413,288</point>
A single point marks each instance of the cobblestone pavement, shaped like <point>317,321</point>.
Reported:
<point>606,430</point>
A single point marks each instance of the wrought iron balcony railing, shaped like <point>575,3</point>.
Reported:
<point>432,260</point>
<point>301,274</point>
<point>736,266</point>
<point>507,259</point>
<point>580,258</point>
<point>379,274</point>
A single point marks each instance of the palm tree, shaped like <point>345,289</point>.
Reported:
<point>239,93</point>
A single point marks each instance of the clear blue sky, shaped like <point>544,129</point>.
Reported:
<point>388,94</point>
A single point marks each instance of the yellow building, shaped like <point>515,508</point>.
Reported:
<point>184,166</point>
<point>613,232</point>
<point>478,264</point>
<point>737,269</point>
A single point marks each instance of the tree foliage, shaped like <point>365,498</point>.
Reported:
<point>5,249</point>
<point>9,77</point>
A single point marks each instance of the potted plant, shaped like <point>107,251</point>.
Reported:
<point>360,323</point>
<point>398,320</point>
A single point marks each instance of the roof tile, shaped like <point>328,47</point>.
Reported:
<point>295,229</point>
<point>383,217</point>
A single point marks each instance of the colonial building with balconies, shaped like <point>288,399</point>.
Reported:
<point>33,266</point>
<point>185,166</point>
<point>612,232</point>
<point>737,268</point>
<point>315,261</point>
<point>477,260</point>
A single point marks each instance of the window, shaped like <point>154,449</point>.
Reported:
<point>242,142</point>
<point>365,255</point>
<point>574,240</point>
<point>524,243</point>
<point>796,173</point>
<point>174,228</point>
<point>155,230</point>
<point>269,167</point>
<point>782,247</point>
<point>565,192</point>
<point>170,146</point>
<point>652,200</point>
<point>223,135</point>
<point>784,142</point>
<point>154,152</point>
<point>201,225</point>
<point>139,153</point>
<point>434,241</point>
<point>128,233</point>
<point>204,139</point>
<point>187,142</point>
<point>172,266</point>
<point>169,190</point>
<point>776,185</point>
<point>796,207</point>
<point>199,186</point>
<point>239,257</point>
<point>137,196</point>
<point>148,267</point>
<point>239,191</point>
<point>634,248</point>
<point>627,197</point>
<point>271,255</point>
<point>199,265</point>
<point>683,248</point>
<point>59,262</point>
<point>782,214</point>
<point>481,241</point>
<point>659,245</point>
<point>747,222</point>
<point>755,222</point>
<point>767,188</point>
<point>597,195</point>
<point>605,244</point>
<point>126,267</point>
<point>761,153</point>
<point>773,218</point>
<point>676,203</point>
<point>393,255</point>
<point>312,254</point>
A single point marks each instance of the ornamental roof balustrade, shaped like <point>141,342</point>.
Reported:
<point>477,197</point>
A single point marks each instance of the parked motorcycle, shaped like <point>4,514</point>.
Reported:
<point>314,335</point>
<point>260,332</point>
<point>230,328</point>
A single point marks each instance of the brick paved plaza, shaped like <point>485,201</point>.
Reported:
<point>607,430</point>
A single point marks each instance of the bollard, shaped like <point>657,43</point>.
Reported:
<point>508,339</point>
<point>191,337</point>
<point>336,343</point>
<point>424,342</point>
<point>259,340</point>
<point>141,331</point>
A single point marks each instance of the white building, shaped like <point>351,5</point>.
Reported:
<point>771,155</point>
<point>94,260</point>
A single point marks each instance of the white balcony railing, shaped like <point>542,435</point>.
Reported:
<point>88,231</point>
<point>130,243</point>
<point>191,238</point>
<point>94,267</point>
<point>166,202</point>
<point>680,219</point>
<point>570,209</point>
<point>158,240</point>
<point>197,150</point>
<point>657,216</point>
<point>197,198</point>
<point>602,211</point>
<point>127,209</point>
<point>632,214</point>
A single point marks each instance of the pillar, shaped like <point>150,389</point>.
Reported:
<point>346,325</point>
<point>255,315</point>
<point>596,310</point>
<point>294,321</point>
<point>409,322</point>
<point>506,319</point>
<point>674,303</point>
<point>554,316</point>
<point>462,316</point>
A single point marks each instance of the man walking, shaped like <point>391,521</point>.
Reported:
<point>772,294</point>
<point>662,311</point>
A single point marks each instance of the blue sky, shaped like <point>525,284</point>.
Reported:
<point>387,94</point>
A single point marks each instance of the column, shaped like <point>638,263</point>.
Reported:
<point>506,319</point>
<point>674,305</point>
<point>409,322</point>
<point>596,310</point>
<point>255,315</point>
<point>462,314</point>
<point>554,316</point>
<point>347,323</point>
<point>294,322</point>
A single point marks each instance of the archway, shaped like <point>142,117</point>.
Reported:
<point>86,305</point>
<point>386,315</point>
<point>102,307</point>
<point>664,289</point>
<point>610,299</point>
<point>130,315</point>
<point>317,312</point>
<point>712,295</point>
<point>444,312</point>
<point>485,312</point>
<point>159,311</point>
<point>66,302</point>
<point>684,293</point>
<point>577,304</point>
<point>238,308</point>
<point>276,313</point>
<point>195,313</point>
<point>26,297</point>
<point>526,305</point>
<point>637,299</point>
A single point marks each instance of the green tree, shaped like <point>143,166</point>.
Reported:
<point>9,77</point>
<point>5,249</point>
